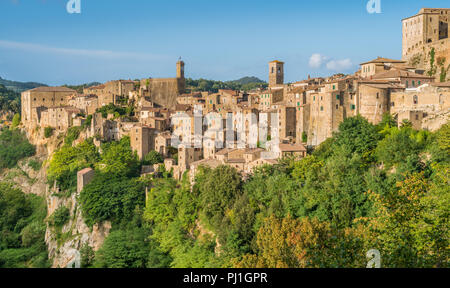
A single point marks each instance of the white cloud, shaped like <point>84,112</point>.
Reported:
<point>108,54</point>
<point>316,60</point>
<point>339,65</point>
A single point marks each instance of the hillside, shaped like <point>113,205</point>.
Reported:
<point>243,84</point>
<point>17,86</point>
<point>248,80</point>
<point>9,100</point>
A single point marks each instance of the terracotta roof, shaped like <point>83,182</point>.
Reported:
<point>52,89</point>
<point>225,151</point>
<point>182,107</point>
<point>292,148</point>
<point>383,60</point>
<point>394,73</point>
<point>441,84</point>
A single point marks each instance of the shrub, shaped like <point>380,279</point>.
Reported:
<point>48,132</point>
<point>14,146</point>
<point>153,158</point>
<point>35,164</point>
<point>72,135</point>
<point>60,217</point>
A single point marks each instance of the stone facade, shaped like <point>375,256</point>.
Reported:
<point>42,97</point>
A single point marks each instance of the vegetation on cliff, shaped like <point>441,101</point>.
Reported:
<point>22,229</point>
<point>369,187</point>
<point>14,146</point>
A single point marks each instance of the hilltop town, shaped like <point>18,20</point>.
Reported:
<point>249,129</point>
<point>175,172</point>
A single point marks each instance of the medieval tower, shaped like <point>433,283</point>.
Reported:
<point>276,73</point>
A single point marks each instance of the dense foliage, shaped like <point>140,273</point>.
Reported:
<point>9,100</point>
<point>244,84</point>
<point>368,187</point>
<point>14,146</point>
<point>22,229</point>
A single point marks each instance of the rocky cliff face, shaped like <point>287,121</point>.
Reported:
<point>74,234</point>
<point>63,241</point>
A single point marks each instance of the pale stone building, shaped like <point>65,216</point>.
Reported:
<point>42,97</point>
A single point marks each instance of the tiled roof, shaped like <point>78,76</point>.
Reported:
<point>52,89</point>
<point>383,60</point>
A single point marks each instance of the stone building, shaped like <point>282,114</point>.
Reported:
<point>42,97</point>
<point>59,118</point>
<point>276,73</point>
<point>379,65</point>
<point>426,30</point>
<point>87,104</point>
<point>422,104</point>
<point>142,139</point>
<point>163,92</point>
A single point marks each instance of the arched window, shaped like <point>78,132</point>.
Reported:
<point>416,100</point>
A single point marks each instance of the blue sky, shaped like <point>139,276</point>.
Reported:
<point>218,39</point>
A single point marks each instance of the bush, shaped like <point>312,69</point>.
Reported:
<point>67,161</point>
<point>153,158</point>
<point>111,197</point>
<point>14,146</point>
<point>48,132</point>
<point>22,229</point>
<point>72,135</point>
<point>60,217</point>
<point>16,120</point>
<point>35,164</point>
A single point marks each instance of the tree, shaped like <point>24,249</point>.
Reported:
<point>218,188</point>
<point>16,120</point>
<point>358,136</point>
<point>124,249</point>
<point>118,158</point>
<point>396,147</point>
<point>67,161</point>
<point>111,197</point>
<point>153,158</point>
<point>433,68</point>
<point>14,146</point>
<point>48,132</point>
<point>306,243</point>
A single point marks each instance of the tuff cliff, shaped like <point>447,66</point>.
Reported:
<point>63,241</point>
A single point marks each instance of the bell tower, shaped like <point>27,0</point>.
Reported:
<point>180,69</point>
<point>276,73</point>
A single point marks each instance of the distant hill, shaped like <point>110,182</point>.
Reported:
<point>19,86</point>
<point>79,88</point>
<point>247,80</point>
<point>9,100</point>
<point>243,84</point>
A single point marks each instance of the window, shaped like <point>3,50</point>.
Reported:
<point>407,84</point>
<point>415,100</point>
<point>321,108</point>
<point>337,107</point>
<point>338,97</point>
<point>352,106</point>
<point>417,117</point>
<point>334,87</point>
<point>414,83</point>
<point>378,95</point>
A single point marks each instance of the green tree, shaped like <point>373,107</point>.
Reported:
<point>152,158</point>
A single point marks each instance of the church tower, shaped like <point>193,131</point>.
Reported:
<point>180,69</point>
<point>276,73</point>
